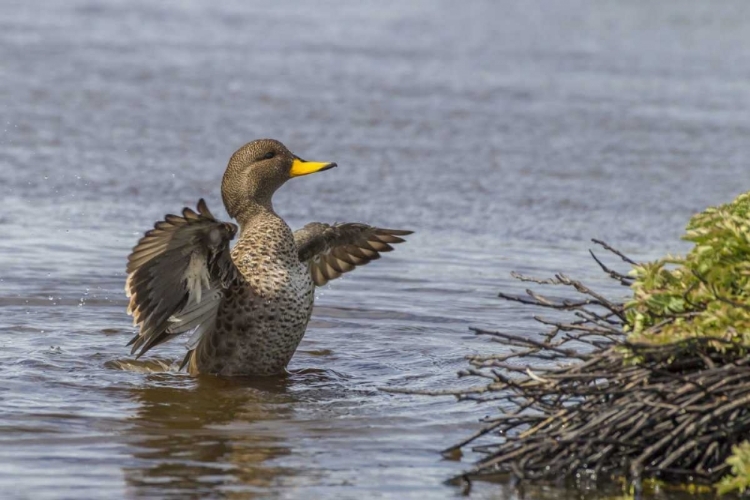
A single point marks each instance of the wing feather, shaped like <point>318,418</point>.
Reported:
<point>332,250</point>
<point>177,274</point>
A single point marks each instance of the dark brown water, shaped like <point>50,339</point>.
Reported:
<point>505,133</point>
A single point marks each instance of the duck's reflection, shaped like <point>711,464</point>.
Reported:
<point>211,437</point>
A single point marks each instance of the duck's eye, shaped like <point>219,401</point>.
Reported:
<point>269,155</point>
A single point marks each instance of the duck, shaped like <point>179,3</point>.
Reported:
<point>245,306</point>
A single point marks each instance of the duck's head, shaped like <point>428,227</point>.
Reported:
<point>257,170</point>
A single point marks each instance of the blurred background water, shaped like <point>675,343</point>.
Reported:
<point>506,134</point>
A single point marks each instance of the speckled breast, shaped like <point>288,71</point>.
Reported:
<point>260,324</point>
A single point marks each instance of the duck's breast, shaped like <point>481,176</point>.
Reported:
<point>260,323</point>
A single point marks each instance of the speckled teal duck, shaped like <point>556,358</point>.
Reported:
<point>247,308</point>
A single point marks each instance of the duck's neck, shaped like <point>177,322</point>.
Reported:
<point>252,209</point>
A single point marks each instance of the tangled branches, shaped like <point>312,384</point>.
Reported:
<point>584,400</point>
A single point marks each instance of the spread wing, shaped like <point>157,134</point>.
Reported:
<point>177,274</point>
<point>332,250</point>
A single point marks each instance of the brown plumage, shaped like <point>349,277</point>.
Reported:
<point>334,250</point>
<point>247,307</point>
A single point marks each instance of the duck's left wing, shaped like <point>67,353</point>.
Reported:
<point>177,274</point>
<point>332,250</point>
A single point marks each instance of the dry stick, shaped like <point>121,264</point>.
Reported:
<point>580,287</point>
<point>521,277</point>
<point>614,251</point>
<point>540,300</point>
<point>598,320</point>
<point>473,437</point>
<point>623,279</point>
<point>434,392</point>
<point>527,341</point>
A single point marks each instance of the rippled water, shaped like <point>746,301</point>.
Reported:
<point>505,133</point>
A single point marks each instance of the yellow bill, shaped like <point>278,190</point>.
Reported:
<point>302,167</point>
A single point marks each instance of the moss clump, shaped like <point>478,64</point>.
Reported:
<point>703,294</point>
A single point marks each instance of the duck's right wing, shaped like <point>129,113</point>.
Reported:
<point>177,275</point>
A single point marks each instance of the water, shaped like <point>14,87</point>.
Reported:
<point>506,134</point>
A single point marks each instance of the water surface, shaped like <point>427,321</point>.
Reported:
<point>505,134</point>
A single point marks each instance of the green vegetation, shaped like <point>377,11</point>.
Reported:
<point>740,479</point>
<point>703,294</point>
